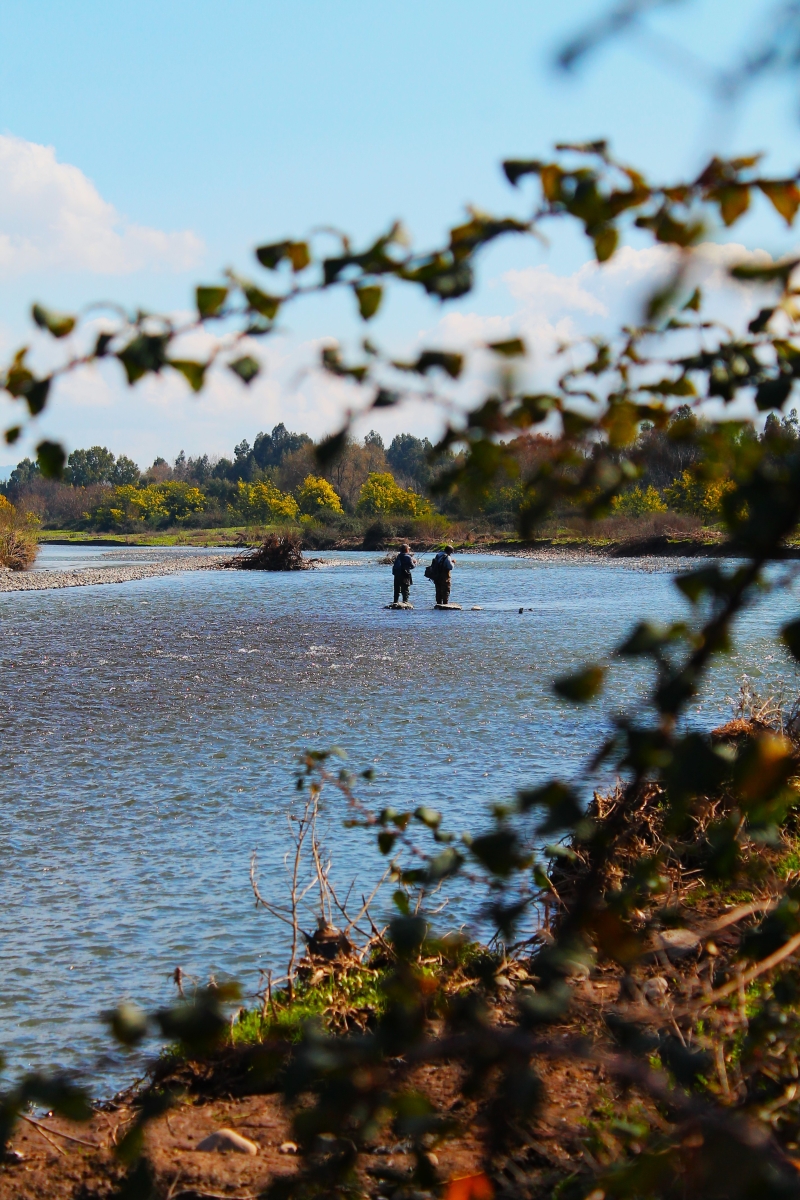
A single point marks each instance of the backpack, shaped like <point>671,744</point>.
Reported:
<point>435,571</point>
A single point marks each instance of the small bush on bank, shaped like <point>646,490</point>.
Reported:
<point>638,502</point>
<point>18,542</point>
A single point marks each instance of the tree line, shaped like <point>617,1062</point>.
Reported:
<point>279,479</point>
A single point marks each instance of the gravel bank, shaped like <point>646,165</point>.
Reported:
<point>37,581</point>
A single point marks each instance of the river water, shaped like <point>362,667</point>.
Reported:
<point>150,732</point>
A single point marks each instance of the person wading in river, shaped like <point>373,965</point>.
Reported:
<point>440,571</point>
<point>401,569</point>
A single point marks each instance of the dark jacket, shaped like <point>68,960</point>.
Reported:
<point>403,564</point>
<point>442,564</point>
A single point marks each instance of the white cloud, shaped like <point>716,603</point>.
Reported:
<point>53,218</point>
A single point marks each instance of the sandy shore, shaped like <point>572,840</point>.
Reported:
<point>37,581</point>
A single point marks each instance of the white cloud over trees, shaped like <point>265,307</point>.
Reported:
<point>52,218</point>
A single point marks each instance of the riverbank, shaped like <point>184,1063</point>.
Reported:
<point>703,545</point>
<point>599,1105</point>
<point>38,581</point>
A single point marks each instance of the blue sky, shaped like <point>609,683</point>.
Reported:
<point>196,130</point>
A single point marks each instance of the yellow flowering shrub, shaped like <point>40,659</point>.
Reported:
<point>172,500</point>
<point>316,494</point>
<point>264,502</point>
<point>638,502</point>
<point>703,497</point>
<point>381,493</point>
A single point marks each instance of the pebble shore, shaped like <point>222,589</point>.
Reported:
<point>38,581</point>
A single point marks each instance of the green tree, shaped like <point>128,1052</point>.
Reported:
<point>85,467</point>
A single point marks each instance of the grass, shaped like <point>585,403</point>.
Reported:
<point>226,536</point>
<point>338,1000</point>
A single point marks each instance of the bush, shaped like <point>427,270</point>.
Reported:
<point>701,497</point>
<point>171,501</point>
<point>18,544</point>
<point>264,503</point>
<point>381,493</point>
<point>316,495</point>
<point>638,502</point>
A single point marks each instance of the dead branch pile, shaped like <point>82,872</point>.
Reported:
<point>278,552</point>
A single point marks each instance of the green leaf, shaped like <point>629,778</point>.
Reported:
<point>369,300</point>
<point>772,393</point>
<point>515,168</point>
<point>13,434</point>
<point>146,352</point>
<point>59,324</point>
<point>582,686</point>
<point>330,448</point>
<point>605,242</point>
<point>561,803</point>
<point>210,300</point>
<point>386,840</point>
<point>428,816</point>
<point>262,303</point>
<point>246,368</point>
<point>36,396</point>
<point>272,255</point>
<point>451,364</point>
<point>776,272</point>
<point>51,458</point>
<point>193,372</point>
<point>784,196</point>
<point>733,201</point>
<point>385,399</point>
<point>695,300</point>
<point>513,348</point>
<point>500,852</point>
<point>128,1023</point>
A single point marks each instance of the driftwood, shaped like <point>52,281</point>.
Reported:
<point>278,552</point>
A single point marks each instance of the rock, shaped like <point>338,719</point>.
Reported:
<point>678,943</point>
<point>655,990</point>
<point>477,608</point>
<point>228,1139</point>
<point>454,607</point>
<point>399,604</point>
<point>288,1148</point>
<point>12,1158</point>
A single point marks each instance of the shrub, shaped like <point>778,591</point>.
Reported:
<point>638,502</point>
<point>18,544</point>
<point>171,501</point>
<point>264,502</point>
<point>701,497</point>
<point>381,493</point>
<point>316,495</point>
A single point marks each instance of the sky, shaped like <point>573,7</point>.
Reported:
<point>146,146</point>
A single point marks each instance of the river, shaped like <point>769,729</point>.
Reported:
<point>150,732</point>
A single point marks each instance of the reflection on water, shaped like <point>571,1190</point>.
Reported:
<point>149,731</point>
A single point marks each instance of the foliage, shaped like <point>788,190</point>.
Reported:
<point>98,465</point>
<point>380,494</point>
<point>638,501</point>
<point>18,541</point>
<point>703,497</point>
<point>263,502</point>
<point>316,494</point>
<point>171,501</point>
